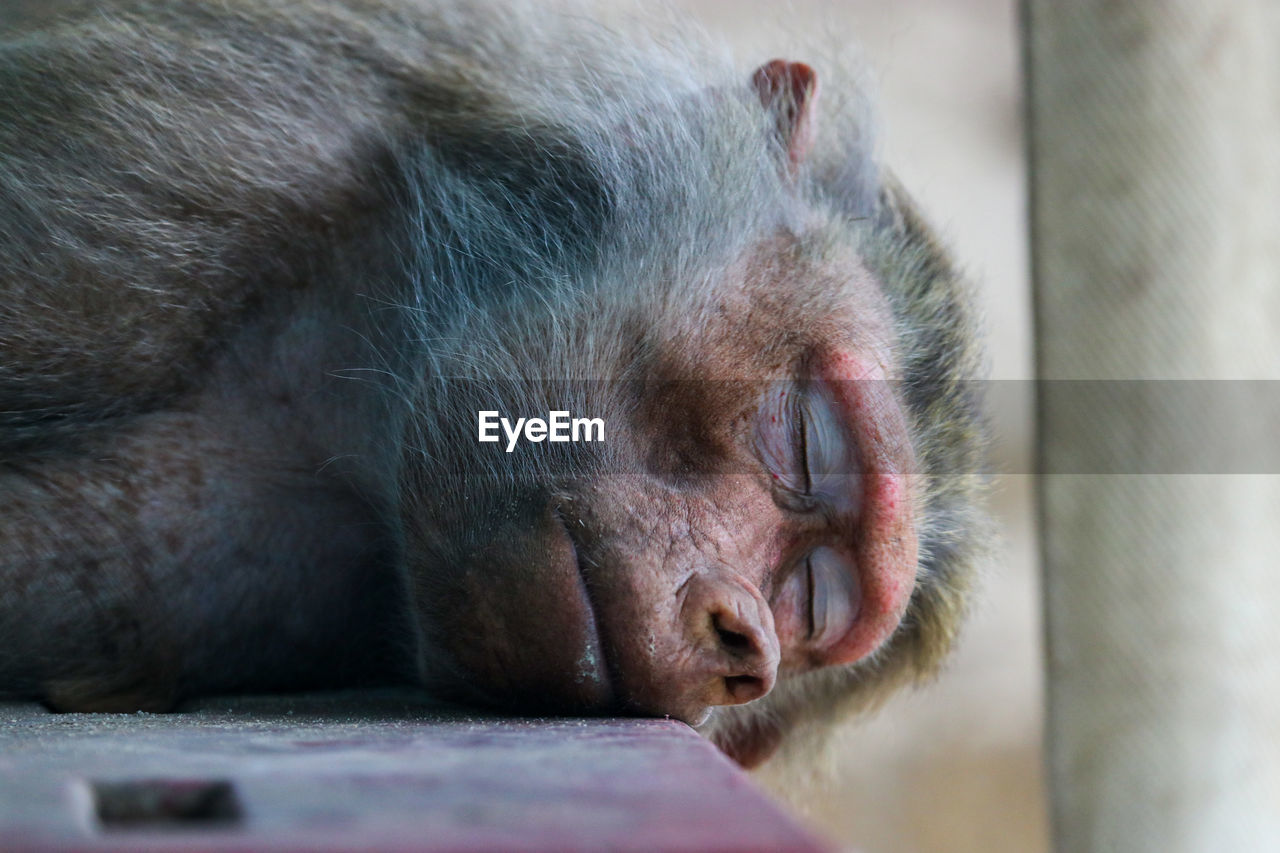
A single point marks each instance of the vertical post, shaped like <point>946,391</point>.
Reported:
<point>1155,205</point>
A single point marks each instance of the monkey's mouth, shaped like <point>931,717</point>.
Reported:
<point>591,670</point>
<point>520,629</point>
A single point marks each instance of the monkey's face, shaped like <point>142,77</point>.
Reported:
<point>750,516</point>
<point>789,546</point>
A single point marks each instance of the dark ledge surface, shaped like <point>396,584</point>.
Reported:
<point>383,770</point>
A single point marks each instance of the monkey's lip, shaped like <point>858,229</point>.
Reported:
<point>592,667</point>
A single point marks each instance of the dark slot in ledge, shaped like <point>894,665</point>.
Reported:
<point>165,804</point>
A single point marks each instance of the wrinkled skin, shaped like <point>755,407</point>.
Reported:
<point>683,583</point>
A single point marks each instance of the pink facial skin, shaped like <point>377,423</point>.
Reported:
<point>849,592</point>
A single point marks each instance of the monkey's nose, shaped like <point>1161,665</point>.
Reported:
<point>733,647</point>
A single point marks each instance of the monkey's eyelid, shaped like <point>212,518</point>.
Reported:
<point>826,449</point>
<point>808,594</point>
<point>835,596</point>
<point>805,448</point>
<point>802,429</point>
<point>779,440</point>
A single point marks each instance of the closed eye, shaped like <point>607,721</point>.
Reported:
<point>780,440</point>
<point>804,446</point>
<point>825,446</point>
<point>834,596</point>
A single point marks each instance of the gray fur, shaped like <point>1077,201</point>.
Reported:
<point>165,183</point>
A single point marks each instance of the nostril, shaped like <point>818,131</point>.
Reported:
<point>732,640</point>
<point>744,688</point>
<point>731,649</point>
<point>745,666</point>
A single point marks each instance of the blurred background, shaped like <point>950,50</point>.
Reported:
<point>955,766</point>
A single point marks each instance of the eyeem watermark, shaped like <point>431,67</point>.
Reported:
<point>558,426</point>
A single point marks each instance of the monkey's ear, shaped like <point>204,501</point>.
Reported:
<point>790,91</point>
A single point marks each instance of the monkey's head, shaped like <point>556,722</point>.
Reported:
<point>780,521</point>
